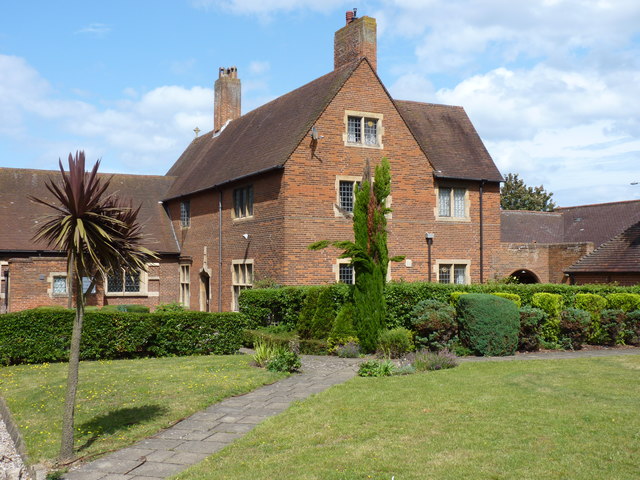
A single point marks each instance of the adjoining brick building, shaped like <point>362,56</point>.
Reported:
<point>244,201</point>
<point>584,244</point>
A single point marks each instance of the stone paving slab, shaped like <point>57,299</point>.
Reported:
<point>204,433</point>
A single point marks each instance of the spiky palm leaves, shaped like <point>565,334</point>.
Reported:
<point>97,231</point>
<point>99,234</point>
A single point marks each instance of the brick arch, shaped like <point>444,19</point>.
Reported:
<point>525,276</point>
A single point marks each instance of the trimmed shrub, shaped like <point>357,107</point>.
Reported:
<point>574,327</point>
<point>434,323</point>
<point>454,297</point>
<point>170,307</point>
<point>612,327</point>
<point>34,336</point>
<point>343,331</point>
<point>531,321</point>
<point>305,320</point>
<point>627,302</point>
<point>125,308</point>
<point>515,298</point>
<point>594,304</point>
<point>488,324</point>
<point>632,328</point>
<point>325,314</point>
<point>395,342</point>
<point>551,304</point>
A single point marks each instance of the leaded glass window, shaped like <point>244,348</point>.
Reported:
<point>243,202</point>
<point>59,285</point>
<point>346,273</point>
<point>444,202</point>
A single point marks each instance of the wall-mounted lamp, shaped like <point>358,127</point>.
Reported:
<point>245,236</point>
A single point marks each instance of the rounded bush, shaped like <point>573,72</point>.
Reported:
<point>434,323</point>
<point>531,321</point>
<point>574,327</point>
<point>489,325</point>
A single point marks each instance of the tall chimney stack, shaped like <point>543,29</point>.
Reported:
<point>226,102</point>
<point>355,40</point>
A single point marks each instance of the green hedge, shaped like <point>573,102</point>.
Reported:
<point>281,306</point>
<point>489,325</point>
<point>35,336</point>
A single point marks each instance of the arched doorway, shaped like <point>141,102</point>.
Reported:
<point>525,276</point>
<point>204,291</point>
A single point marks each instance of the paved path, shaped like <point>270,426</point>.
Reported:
<point>193,439</point>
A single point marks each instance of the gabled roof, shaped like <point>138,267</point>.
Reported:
<point>620,254</point>
<point>258,141</point>
<point>600,222</point>
<point>449,140</point>
<point>19,216</point>
<point>524,226</point>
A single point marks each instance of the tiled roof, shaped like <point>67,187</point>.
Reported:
<point>19,216</point>
<point>524,226</point>
<point>449,141</point>
<point>620,254</point>
<point>258,141</point>
<point>598,223</point>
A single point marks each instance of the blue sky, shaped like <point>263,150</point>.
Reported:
<point>552,86</point>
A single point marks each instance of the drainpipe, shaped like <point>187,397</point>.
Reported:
<point>482,182</point>
<point>219,250</point>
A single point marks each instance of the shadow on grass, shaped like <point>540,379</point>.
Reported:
<point>120,419</point>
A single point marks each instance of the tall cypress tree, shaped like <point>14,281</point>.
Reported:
<point>368,253</point>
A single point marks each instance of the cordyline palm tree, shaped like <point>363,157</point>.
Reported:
<point>100,234</point>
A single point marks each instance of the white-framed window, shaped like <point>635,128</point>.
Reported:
<point>185,285</point>
<point>185,213</point>
<point>59,286</point>
<point>242,278</point>
<point>453,203</point>
<point>344,271</point>
<point>243,202</point>
<point>346,194</point>
<point>453,271</point>
<point>363,129</point>
<point>126,283</point>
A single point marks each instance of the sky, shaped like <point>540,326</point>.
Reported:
<point>552,86</point>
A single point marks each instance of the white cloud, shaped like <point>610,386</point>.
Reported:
<point>259,67</point>
<point>95,29</point>
<point>266,7</point>
<point>141,133</point>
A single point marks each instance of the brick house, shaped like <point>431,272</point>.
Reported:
<point>244,201</point>
<point>583,244</point>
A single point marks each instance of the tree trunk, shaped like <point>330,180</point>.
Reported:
<point>66,447</point>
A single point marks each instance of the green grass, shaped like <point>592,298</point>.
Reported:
<point>551,419</point>
<point>120,401</point>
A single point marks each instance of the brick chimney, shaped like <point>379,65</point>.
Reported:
<point>226,102</point>
<point>355,40</point>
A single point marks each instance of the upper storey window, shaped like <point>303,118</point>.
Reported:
<point>243,202</point>
<point>363,129</point>
<point>185,213</point>
<point>453,203</point>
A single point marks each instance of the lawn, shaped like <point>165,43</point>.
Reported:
<point>543,419</point>
<point>120,401</point>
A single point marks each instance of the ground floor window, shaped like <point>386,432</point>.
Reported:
<point>59,285</point>
<point>242,277</point>
<point>455,272</point>
<point>185,285</point>
<point>124,282</point>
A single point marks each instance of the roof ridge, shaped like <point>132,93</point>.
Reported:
<point>429,104</point>
<point>599,204</point>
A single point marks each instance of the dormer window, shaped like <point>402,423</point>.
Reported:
<point>363,129</point>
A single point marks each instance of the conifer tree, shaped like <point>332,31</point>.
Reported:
<point>368,253</point>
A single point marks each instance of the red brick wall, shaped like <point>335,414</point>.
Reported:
<point>547,261</point>
<point>309,184</point>
<point>30,285</point>
<point>264,245</point>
